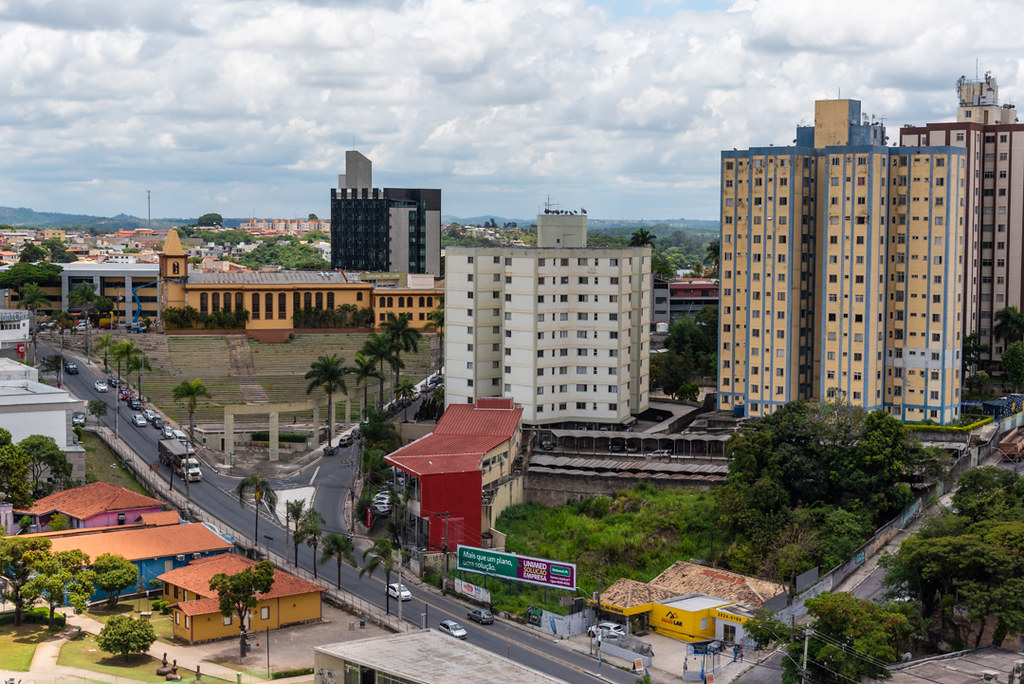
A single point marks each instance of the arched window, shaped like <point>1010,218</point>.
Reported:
<point>255,306</point>
<point>319,300</point>
<point>391,302</point>
<point>382,300</point>
<point>269,303</point>
<point>216,302</point>
<point>430,302</point>
<point>204,306</point>
<point>422,302</point>
<point>401,302</point>
<point>239,301</point>
<point>227,302</point>
<point>175,268</point>
<point>281,301</point>
<point>330,301</point>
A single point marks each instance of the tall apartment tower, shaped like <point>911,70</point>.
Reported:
<point>842,271</point>
<point>562,328</point>
<point>393,229</point>
<point>994,201</point>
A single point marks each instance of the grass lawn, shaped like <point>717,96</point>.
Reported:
<point>102,465</point>
<point>18,645</point>
<point>131,607</point>
<point>84,653</point>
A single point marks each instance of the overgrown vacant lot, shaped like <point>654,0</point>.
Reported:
<point>636,534</point>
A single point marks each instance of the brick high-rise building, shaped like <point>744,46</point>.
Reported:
<point>841,271</point>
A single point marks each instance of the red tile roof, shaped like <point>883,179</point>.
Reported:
<point>141,543</point>
<point>493,416</point>
<point>195,577</point>
<point>89,500</point>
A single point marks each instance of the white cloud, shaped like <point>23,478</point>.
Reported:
<point>248,106</point>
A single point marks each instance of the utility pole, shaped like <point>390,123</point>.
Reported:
<point>444,549</point>
<point>803,666</point>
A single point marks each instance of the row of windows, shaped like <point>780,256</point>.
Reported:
<point>402,301</point>
<point>558,262</point>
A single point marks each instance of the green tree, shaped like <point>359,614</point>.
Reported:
<point>973,350</point>
<point>32,253</point>
<point>642,237</point>
<point>1009,325</point>
<point>123,636</point>
<point>364,370</point>
<point>381,555</point>
<point>340,548</point>
<point>15,276</point>
<point>48,467</point>
<point>294,511</point>
<point>114,574</point>
<point>97,407</point>
<point>1013,364</point>
<point>262,493</point>
<point>210,220</point>
<point>850,639</point>
<point>310,530</point>
<point>987,493</point>
<point>435,321</point>
<point>57,251</point>
<point>379,349</point>
<point>14,472</point>
<point>238,594</point>
<point>711,254</point>
<point>31,297</point>
<point>191,391</point>
<point>60,522</point>
<point>329,373</point>
<point>378,432</point>
<point>404,338</point>
<point>83,297</point>
<point>104,344</point>
<point>406,391</point>
<point>16,569</point>
<point>59,575</point>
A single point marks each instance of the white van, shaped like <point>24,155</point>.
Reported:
<point>183,438</point>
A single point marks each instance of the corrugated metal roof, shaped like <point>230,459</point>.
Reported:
<point>272,278</point>
<point>486,417</point>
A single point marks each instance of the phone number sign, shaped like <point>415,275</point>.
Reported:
<point>545,573</point>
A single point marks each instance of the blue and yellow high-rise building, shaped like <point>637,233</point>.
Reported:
<point>841,271</point>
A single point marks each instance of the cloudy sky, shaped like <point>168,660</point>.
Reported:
<point>246,108</point>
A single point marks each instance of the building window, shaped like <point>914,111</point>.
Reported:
<point>268,301</point>
<point>281,304</point>
<point>204,306</point>
<point>255,306</point>
<point>265,613</point>
<point>215,302</point>
<point>239,301</point>
<point>226,621</point>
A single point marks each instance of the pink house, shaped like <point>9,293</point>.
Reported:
<point>99,504</point>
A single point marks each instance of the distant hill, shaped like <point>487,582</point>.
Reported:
<point>28,218</point>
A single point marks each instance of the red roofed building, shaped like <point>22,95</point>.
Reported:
<point>464,473</point>
<point>196,609</point>
<point>99,504</point>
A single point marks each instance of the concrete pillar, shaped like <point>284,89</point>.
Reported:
<point>274,454</point>
<point>229,432</point>
<point>128,303</point>
<point>316,424</point>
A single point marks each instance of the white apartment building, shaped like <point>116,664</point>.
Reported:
<point>563,329</point>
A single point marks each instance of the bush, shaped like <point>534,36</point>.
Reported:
<point>264,436</point>
<point>161,605</point>
<point>123,636</point>
<point>292,673</point>
<point>35,616</point>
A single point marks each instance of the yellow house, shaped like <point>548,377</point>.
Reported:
<point>689,618</point>
<point>196,611</point>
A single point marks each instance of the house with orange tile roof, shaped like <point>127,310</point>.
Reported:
<point>196,609</point>
<point>99,504</point>
<point>465,473</point>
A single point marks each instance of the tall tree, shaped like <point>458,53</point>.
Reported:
<point>340,548</point>
<point>311,531</point>
<point>16,555</point>
<point>48,467</point>
<point>261,493</point>
<point>364,370</point>
<point>14,472</point>
<point>1013,364</point>
<point>435,321</point>
<point>105,344</point>
<point>114,574</point>
<point>136,361</point>
<point>405,391</point>
<point>642,237</point>
<point>329,373</point>
<point>84,298</point>
<point>59,575</point>
<point>31,253</point>
<point>1009,325</point>
<point>32,297</point>
<point>238,594</point>
<point>124,636</point>
<point>378,347</point>
<point>381,555</point>
<point>191,391</point>
<point>404,338</point>
<point>294,512</point>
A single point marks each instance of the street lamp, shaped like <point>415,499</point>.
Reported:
<point>179,401</point>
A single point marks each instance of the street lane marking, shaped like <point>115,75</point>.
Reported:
<point>314,475</point>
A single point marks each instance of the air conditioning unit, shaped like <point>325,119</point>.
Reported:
<point>180,557</point>
<point>197,555</point>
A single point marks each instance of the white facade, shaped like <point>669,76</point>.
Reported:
<point>14,328</point>
<point>565,332</point>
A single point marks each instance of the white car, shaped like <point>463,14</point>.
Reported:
<point>149,415</point>
<point>101,386</point>
<point>452,627</point>
<point>606,628</point>
<point>139,420</point>
<point>394,591</point>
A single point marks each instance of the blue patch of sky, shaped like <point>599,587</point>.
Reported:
<point>624,9</point>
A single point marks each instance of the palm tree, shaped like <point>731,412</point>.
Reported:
<point>261,492</point>
<point>435,320</point>
<point>328,372</point>
<point>190,391</point>
<point>403,338</point>
<point>382,553</point>
<point>310,530</point>
<point>105,344</point>
<point>378,348</point>
<point>365,369</point>
<point>84,297</point>
<point>1009,325</point>
<point>405,390</point>
<point>642,238</point>
<point>293,511</point>
<point>31,297</point>
<point>340,548</point>
<point>136,361</point>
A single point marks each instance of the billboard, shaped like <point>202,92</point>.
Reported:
<point>545,573</point>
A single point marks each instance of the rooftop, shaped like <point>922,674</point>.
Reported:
<point>431,657</point>
<point>628,594</point>
<point>957,668</point>
<point>696,602</point>
<point>91,499</point>
<point>689,578</point>
<point>272,278</point>
<point>141,543</point>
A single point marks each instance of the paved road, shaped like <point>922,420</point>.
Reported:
<point>215,495</point>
